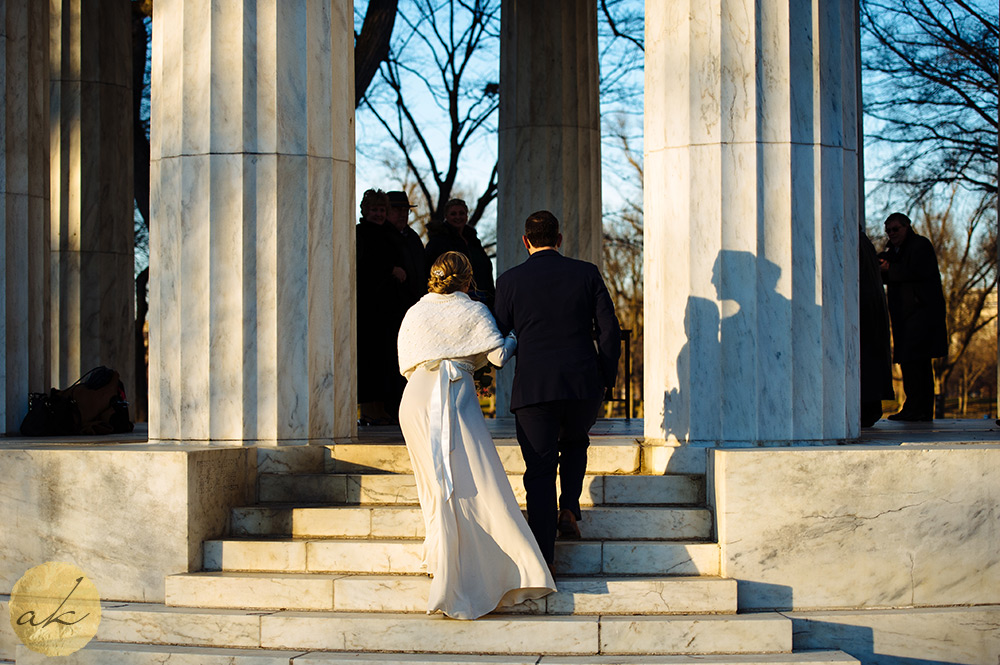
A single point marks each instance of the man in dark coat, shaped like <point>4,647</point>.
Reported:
<point>409,246</point>
<point>555,305</point>
<point>455,235</point>
<point>410,250</point>
<point>916,309</point>
<point>380,277</point>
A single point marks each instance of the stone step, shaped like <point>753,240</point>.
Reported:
<point>581,635</point>
<point>528,634</point>
<point>403,556</point>
<point>408,593</point>
<point>598,523</point>
<point>398,489</point>
<point>107,653</point>
<point>606,455</point>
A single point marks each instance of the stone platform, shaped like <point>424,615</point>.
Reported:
<point>882,550</point>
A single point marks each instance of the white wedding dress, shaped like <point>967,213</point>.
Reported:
<point>477,546</point>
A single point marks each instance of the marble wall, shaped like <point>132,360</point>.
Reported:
<point>751,205</point>
<point>549,133</point>
<point>90,116</point>
<point>127,515</point>
<point>252,243</point>
<point>859,526</point>
<point>24,207</point>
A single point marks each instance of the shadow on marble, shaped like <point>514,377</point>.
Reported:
<point>781,595</point>
<point>896,637</point>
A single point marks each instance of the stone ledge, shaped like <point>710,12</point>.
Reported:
<point>104,653</point>
<point>968,635</point>
<point>847,527</point>
<point>127,515</point>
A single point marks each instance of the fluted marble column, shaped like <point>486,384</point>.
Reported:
<point>93,301</point>
<point>252,239</point>
<point>751,211</point>
<point>24,213</point>
<point>550,132</point>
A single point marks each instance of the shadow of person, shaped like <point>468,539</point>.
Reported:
<point>735,345</point>
<point>697,361</point>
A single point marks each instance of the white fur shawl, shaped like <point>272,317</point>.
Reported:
<point>445,326</point>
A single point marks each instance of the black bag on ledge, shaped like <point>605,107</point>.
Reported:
<point>95,404</point>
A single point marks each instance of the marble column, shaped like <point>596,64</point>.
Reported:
<point>24,213</point>
<point>252,239</point>
<point>90,120</point>
<point>751,215</point>
<point>550,133</point>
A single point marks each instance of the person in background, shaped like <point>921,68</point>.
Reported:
<point>409,245</point>
<point>916,310</point>
<point>873,328</point>
<point>380,277</point>
<point>455,235</point>
<point>411,251</point>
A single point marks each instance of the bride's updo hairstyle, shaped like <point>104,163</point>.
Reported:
<point>451,272</point>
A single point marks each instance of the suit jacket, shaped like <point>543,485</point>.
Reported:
<point>916,301</point>
<point>555,305</point>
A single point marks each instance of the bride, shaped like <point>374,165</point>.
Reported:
<point>477,545</point>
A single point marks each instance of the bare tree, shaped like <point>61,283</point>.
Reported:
<point>966,251</point>
<point>622,50</point>
<point>975,372</point>
<point>622,251</point>
<point>441,71</point>
<point>371,45</point>
<point>931,70</point>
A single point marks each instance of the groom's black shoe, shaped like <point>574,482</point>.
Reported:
<point>567,526</point>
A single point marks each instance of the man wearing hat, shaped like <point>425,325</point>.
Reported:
<point>411,250</point>
<point>410,247</point>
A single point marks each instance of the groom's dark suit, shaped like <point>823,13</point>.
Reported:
<point>556,305</point>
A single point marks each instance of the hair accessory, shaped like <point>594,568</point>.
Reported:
<point>437,272</point>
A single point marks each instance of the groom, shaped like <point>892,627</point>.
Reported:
<point>557,307</point>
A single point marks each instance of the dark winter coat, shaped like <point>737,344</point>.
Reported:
<point>381,301</point>
<point>443,237</point>
<point>916,301</point>
<point>411,250</point>
<point>876,354</point>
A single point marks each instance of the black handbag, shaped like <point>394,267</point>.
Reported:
<point>95,404</point>
<point>53,414</point>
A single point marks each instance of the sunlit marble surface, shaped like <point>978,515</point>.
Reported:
<point>859,526</point>
<point>750,204</point>
<point>127,515</point>
<point>252,246</point>
<point>968,635</point>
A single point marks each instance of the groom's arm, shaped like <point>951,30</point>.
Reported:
<point>503,307</point>
<point>608,332</point>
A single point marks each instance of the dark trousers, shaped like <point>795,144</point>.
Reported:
<point>918,384</point>
<point>554,437</point>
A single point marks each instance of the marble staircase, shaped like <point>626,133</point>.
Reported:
<point>325,568</point>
